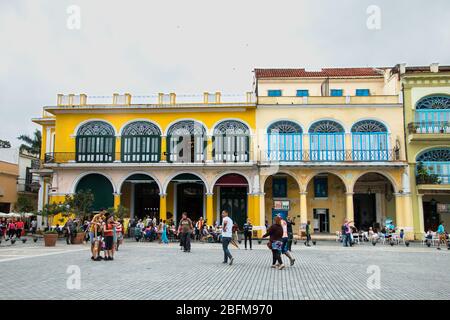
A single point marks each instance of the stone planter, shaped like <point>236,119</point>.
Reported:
<point>79,238</point>
<point>50,239</point>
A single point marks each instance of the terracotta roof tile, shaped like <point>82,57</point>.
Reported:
<point>325,72</point>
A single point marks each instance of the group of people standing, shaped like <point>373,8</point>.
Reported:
<point>12,228</point>
<point>105,234</point>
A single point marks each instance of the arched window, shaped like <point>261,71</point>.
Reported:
<point>437,161</point>
<point>231,142</point>
<point>95,142</point>
<point>327,141</point>
<point>186,142</point>
<point>370,141</point>
<point>141,141</point>
<point>433,114</point>
<point>284,140</point>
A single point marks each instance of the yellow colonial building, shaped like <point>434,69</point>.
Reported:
<point>332,147</point>
<point>156,155</point>
<point>427,119</point>
<point>319,145</point>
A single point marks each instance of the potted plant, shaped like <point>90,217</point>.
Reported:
<point>425,177</point>
<point>80,205</point>
<point>50,238</point>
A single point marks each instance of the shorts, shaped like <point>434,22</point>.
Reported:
<point>119,236</point>
<point>109,240</point>
<point>92,237</point>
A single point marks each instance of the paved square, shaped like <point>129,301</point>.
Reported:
<point>155,271</point>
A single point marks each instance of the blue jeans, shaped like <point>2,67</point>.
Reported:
<point>225,242</point>
<point>346,240</point>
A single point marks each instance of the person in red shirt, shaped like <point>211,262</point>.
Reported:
<point>108,234</point>
<point>19,228</point>
<point>11,229</point>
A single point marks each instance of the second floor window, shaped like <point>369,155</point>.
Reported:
<point>302,93</point>
<point>274,93</point>
<point>231,142</point>
<point>362,92</point>
<point>141,142</point>
<point>95,142</point>
<point>279,187</point>
<point>321,187</point>
<point>336,92</point>
<point>284,141</point>
<point>327,141</point>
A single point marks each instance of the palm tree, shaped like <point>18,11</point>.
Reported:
<point>31,145</point>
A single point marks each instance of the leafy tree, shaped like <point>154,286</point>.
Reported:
<point>31,145</point>
<point>51,209</point>
<point>24,204</point>
<point>119,213</point>
<point>5,144</point>
<point>80,203</point>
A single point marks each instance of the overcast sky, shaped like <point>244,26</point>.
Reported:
<point>144,47</point>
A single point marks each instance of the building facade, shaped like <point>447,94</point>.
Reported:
<point>427,119</point>
<point>320,146</point>
<point>17,181</point>
<point>160,156</point>
<point>333,147</point>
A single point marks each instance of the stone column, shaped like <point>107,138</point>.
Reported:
<point>303,209</point>
<point>349,214</point>
<point>116,200</point>
<point>251,207</point>
<point>408,221</point>
<point>399,221</point>
<point>421,227</point>
<point>209,209</point>
<point>259,212</point>
<point>209,150</point>
<point>164,150</point>
<point>132,200</point>
<point>162,206</point>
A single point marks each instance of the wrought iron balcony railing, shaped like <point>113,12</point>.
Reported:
<point>429,127</point>
<point>434,179</point>
<point>73,157</point>
<point>330,155</point>
<point>231,157</point>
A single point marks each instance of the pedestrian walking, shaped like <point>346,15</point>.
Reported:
<point>235,236</point>
<point>275,234</point>
<point>441,235</point>
<point>227,234</point>
<point>164,238</point>
<point>248,230</point>
<point>186,231</point>
<point>11,229</point>
<point>19,228</point>
<point>285,241</point>
<point>33,226</point>
<point>69,229</point>
<point>290,224</point>
<point>308,233</point>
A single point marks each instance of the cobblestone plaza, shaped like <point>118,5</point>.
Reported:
<point>153,271</point>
